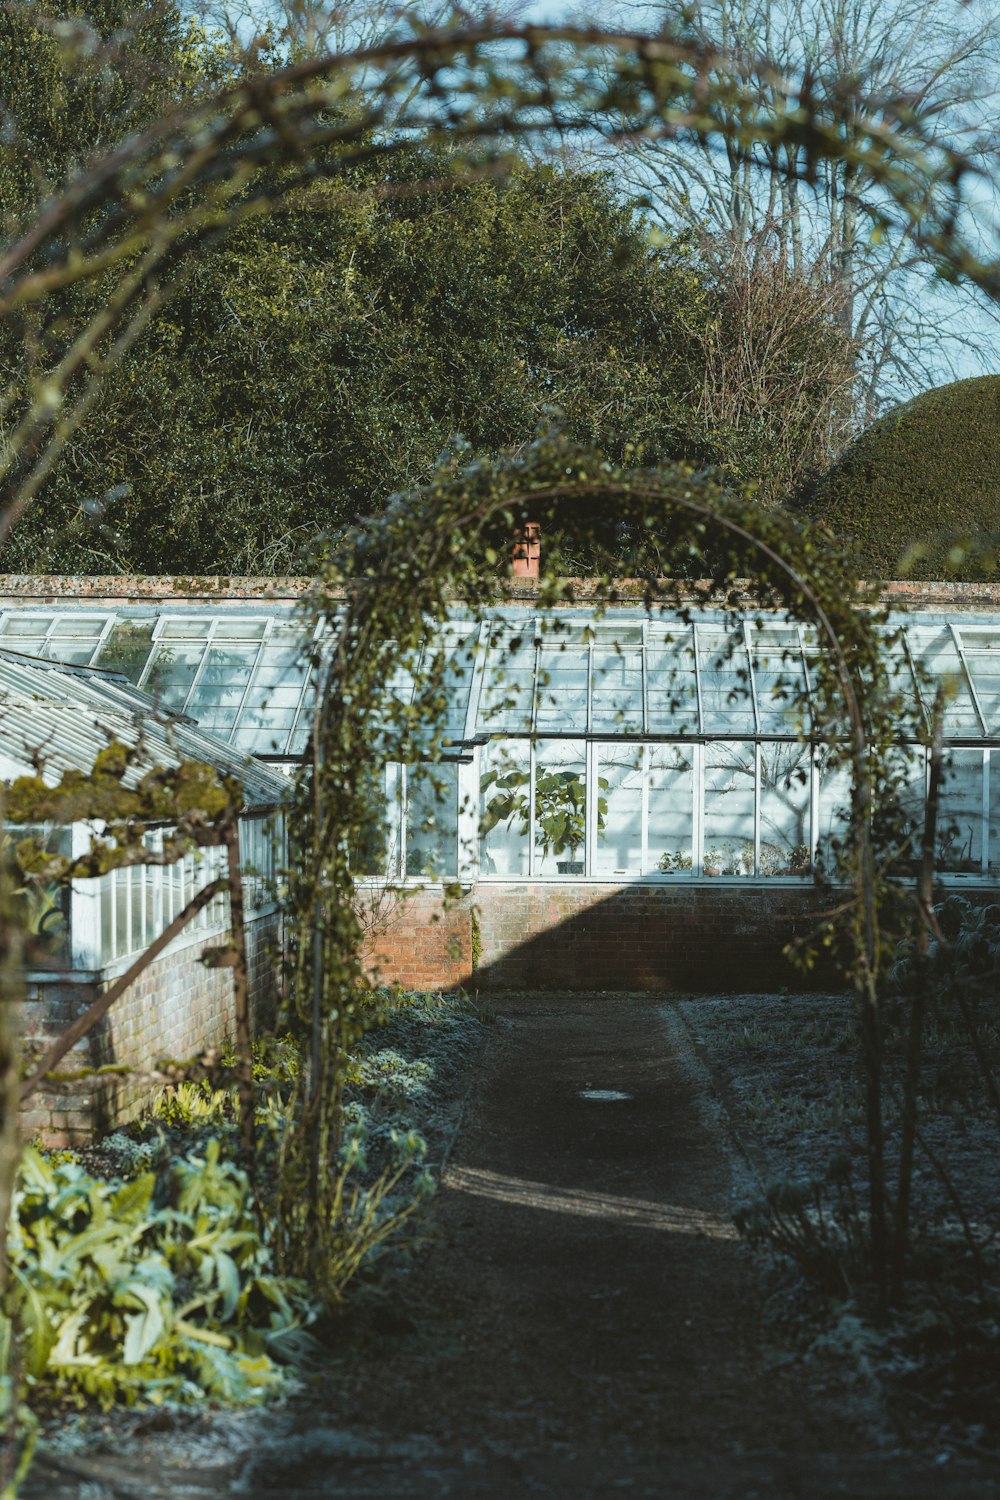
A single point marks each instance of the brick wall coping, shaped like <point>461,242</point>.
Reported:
<point>112,589</point>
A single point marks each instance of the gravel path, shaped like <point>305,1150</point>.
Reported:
<point>585,1322</point>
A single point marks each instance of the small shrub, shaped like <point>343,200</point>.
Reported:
<point>817,1224</point>
<point>157,1288</point>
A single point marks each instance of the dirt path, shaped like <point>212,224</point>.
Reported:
<point>585,1324</point>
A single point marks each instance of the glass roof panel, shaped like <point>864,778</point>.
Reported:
<point>562,689</point>
<point>220,688</point>
<point>73,638</point>
<point>25,625</point>
<point>185,627</point>
<point>509,682</point>
<point>239,630</point>
<point>726,692</point>
<point>982,653</point>
<point>171,670</point>
<point>126,649</point>
<point>616,694</point>
<point>671,684</point>
<point>936,655</point>
<point>459,644</point>
<point>779,679</point>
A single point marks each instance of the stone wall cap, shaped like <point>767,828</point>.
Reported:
<point>112,589</point>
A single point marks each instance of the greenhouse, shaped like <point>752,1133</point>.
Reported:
<point>575,747</point>
<point>623,798</point>
<point>241,672</point>
<point>625,748</point>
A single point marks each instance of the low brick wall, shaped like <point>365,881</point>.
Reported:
<point>175,1009</point>
<point>588,936</point>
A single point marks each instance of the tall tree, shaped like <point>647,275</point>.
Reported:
<point>927,66</point>
<point>318,362</point>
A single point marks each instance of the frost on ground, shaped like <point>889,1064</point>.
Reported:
<point>786,1068</point>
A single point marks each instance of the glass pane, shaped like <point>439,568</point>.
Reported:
<point>982,652</point>
<point>74,638</point>
<point>834,811</point>
<point>24,632</point>
<point>936,656</point>
<point>671,684</point>
<point>503,809</point>
<point>281,683</point>
<point>670,841</point>
<point>236,629</point>
<point>726,699</point>
<point>509,680</point>
<point>563,671</point>
<point>171,672</point>
<point>123,940</point>
<point>216,699</point>
<point>107,898</point>
<point>619,810</point>
<point>459,643</point>
<point>784,809</point>
<point>780,681</point>
<point>899,815</point>
<point>432,821</point>
<point>126,650</point>
<point>378,848</point>
<point>616,701</point>
<point>960,814</point>
<point>560,807</point>
<point>184,628</point>
<point>729,809</point>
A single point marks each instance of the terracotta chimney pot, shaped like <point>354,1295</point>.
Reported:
<point>526,554</point>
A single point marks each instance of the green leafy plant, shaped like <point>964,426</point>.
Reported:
<point>157,1288</point>
<point>675,861</point>
<point>560,807</point>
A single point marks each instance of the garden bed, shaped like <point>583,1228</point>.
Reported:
<point>787,1070</point>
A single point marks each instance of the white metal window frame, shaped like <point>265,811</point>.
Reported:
<point>467,870</point>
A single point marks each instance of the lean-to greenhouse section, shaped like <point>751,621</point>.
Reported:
<point>82,936</point>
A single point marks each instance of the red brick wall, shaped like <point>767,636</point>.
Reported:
<point>174,1010</point>
<point>422,945</point>
<point>588,936</point>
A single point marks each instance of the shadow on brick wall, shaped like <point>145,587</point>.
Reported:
<point>584,936</point>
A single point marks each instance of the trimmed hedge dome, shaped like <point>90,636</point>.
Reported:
<point>926,469</point>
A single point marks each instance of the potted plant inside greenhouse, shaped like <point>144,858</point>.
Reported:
<point>560,811</point>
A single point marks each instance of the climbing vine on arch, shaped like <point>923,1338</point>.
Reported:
<point>390,582</point>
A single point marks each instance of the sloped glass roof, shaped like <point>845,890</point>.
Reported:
<point>243,672</point>
<point>59,717</point>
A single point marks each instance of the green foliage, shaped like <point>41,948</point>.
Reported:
<point>153,1289</point>
<point>560,806</point>
<point>378,1180</point>
<point>78,79</point>
<point>319,361</point>
<point>322,360</point>
<point>920,486</point>
<point>189,796</point>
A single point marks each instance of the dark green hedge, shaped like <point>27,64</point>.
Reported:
<point>917,477</point>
